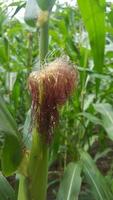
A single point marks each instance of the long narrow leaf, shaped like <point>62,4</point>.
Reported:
<point>6,191</point>
<point>71,183</point>
<point>106,111</point>
<point>46,4</point>
<point>31,13</point>
<point>10,148</point>
<point>7,123</point>
<point>100,189</point>
<point>93,13</point>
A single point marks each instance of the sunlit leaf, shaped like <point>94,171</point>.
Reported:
<point>92,118</point>
<point>71,183</point>
<point>19,7</point>
<point>31,13</point>
<point>46,4</point>
<point>110,16</point>
<point>93,13</point>
<point>88,100</point>
<point>99,187</point>
<point>106,111</point>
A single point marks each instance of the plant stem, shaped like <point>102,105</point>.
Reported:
<point>29,60</point>
<point>38,168</point>
<point>34,186</point>
<point>22,193</point>
<point>43,42</point>
<point>38,163</point>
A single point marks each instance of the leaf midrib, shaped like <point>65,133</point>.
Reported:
<point>71,183</point>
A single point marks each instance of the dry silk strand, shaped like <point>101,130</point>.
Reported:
<point>50,88</point>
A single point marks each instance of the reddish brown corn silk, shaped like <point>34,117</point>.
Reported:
<point>50,88</point>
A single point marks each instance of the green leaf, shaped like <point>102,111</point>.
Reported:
<point>3,57</point>
<point>71,183</point>
<point>19,7</point>
<point>33,10</point>
<point>106,111</point>
<point>88,100</point>
<point>102,154</point>
<point>93,13</point>
<point>31,13</point>
<point>6,191</point>
<point>46,4</point>
<point>11,154</point>
<point>110,16</point>
<point>7,123</point>
<point>27,140</point>
<point>100,188</point>
<point>54,148</point>
<point>91,118</point>
<point>3,17</point>
<point>11,148</point>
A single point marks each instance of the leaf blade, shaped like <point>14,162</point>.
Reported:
<point>70,185</point>
<point>92,10</point>
<point>100,189</point>
<point>7,123</point>
<point>11,148</point>
<point>106,111</point>
<point>6,191</point>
